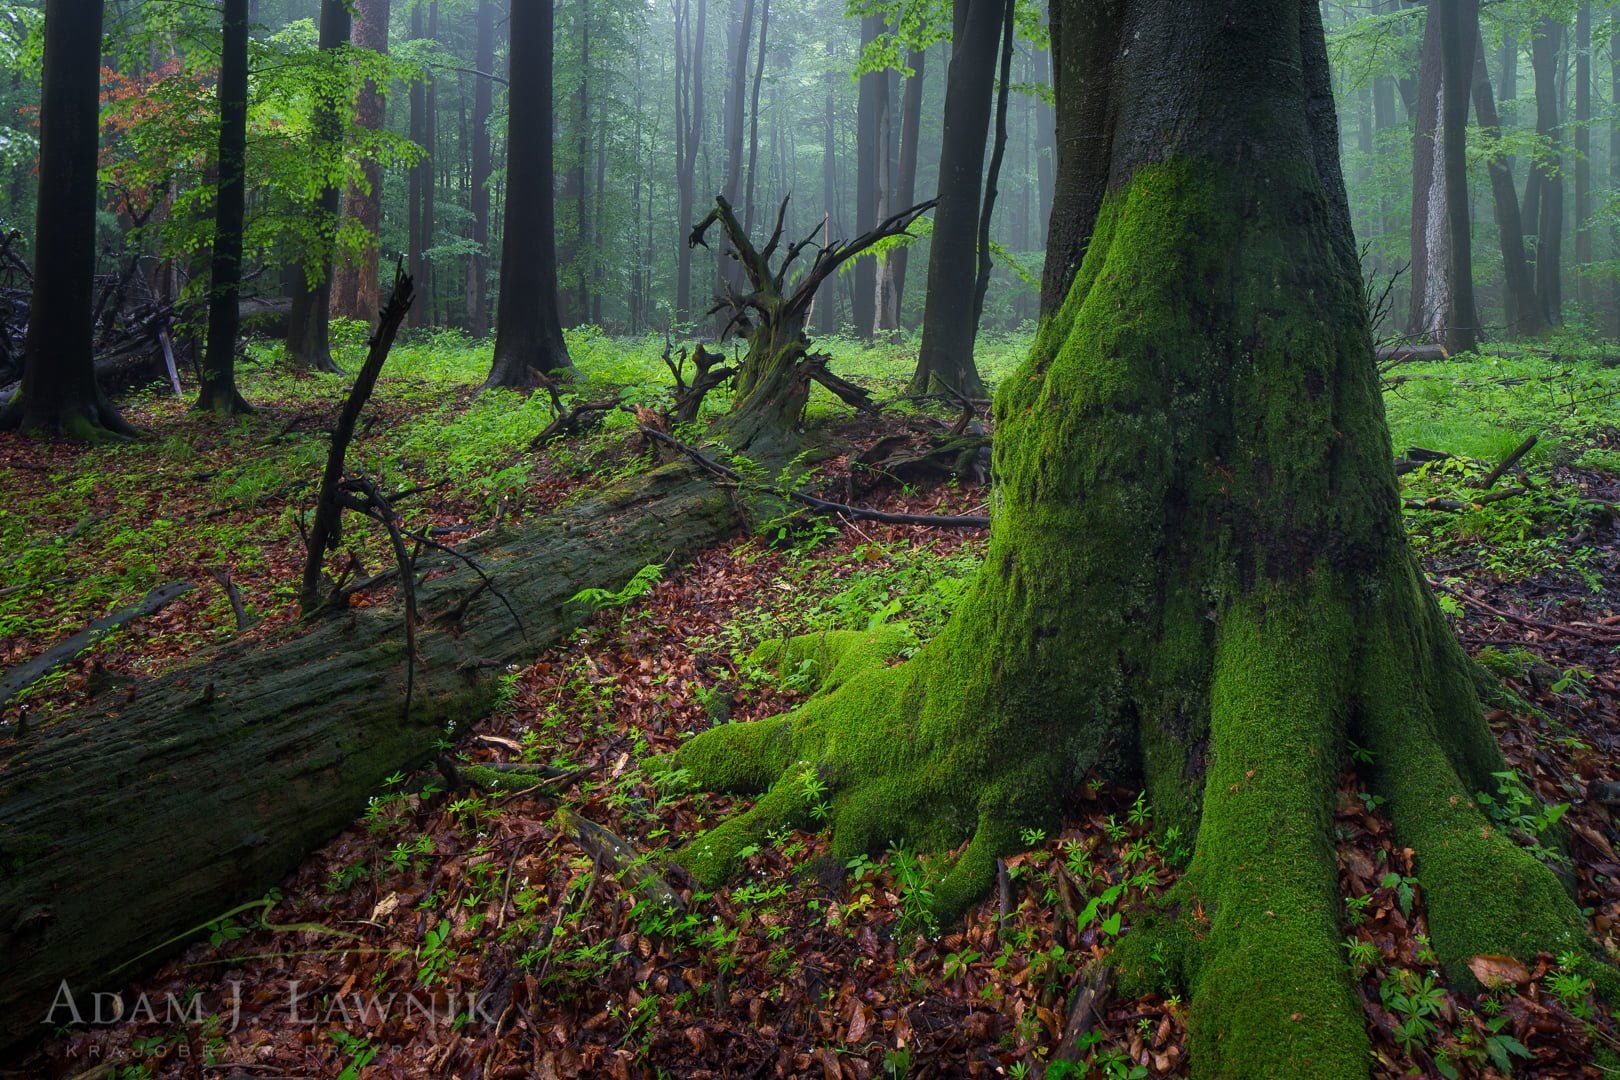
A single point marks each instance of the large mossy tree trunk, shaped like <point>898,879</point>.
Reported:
<point>124,829</point>
<point>1196,573</point>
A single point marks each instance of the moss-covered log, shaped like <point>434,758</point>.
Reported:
<point>1196,575</point>
<point>129,825</point>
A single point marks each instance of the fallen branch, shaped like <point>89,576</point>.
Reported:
<point>1456,506</point>
<point>1537,624</point>
<point>1507,463</point>
<point>852,513</point>
<point>1088,1007</point>
<point>610,851</point>
<point>20,678</point>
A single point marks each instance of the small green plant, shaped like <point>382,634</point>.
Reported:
<point>360,1053</point>
<point>1405,890</point>
<point>644,581</point>
<point>1363,955</point>
<point>1417,1002</point>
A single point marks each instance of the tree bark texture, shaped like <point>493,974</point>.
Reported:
<point>124,828</point>
<point>1196,576</point>
<point>1548,200</point>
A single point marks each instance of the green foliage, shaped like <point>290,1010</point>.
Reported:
<point>642,583</point>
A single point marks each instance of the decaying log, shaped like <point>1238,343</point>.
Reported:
<point>124,827</point>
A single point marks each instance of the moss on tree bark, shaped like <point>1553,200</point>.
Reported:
<point>1196,576</point>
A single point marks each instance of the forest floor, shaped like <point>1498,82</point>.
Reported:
<point>468,936</point>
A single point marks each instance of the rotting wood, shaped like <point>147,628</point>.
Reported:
<point>631,865</point>
<point>127,825</point>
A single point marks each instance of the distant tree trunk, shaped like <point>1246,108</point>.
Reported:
<point>688,140</point>
<point>992,175</point>
<point>59,392</point>
<point>426,308</point>
<point>729,272</point>
<point>885,304</point>
<point>1522,312</point>
<point>483,108</point>
<point>576,297</point>
<point>529,345</point>
<point>753,118</point>
<point>1442,268</point>
<point>308,345</point>
<point>826,301</point>
<point>906,184</point>
<point>1045,146</point>
<point>354,293</point>
<point>871,103</point>
<point>945,361</point>
<point>415,245</point>
<point>1547,202</point>
<point>218,393</point>
<point>1583,157</point>
<point>1614,163</point>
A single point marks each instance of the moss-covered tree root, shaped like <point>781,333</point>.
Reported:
<point>126,826</point>
<point>1197,578</point>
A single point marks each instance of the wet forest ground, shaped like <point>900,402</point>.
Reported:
<point>467,935</point>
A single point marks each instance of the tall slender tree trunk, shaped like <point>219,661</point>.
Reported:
<point>415,244</point>
<point>689,99</point>
<point>945,360</point>
<point>59,392</point>
<point>309,322</point>
<point>483,109</point>
<point>529,345</point>
<point>906,183</point>
<point>1614,163</point>
<point>426,309</point>
<point>885,303</point>
<point>1520,308</point>
<point>1442,266</point>
<point>826,301</point>
<point>871,106</point>
<point>992,174</point>
<point>751,174</point>
<point>218,393</point>
<point>729,274</point>
<point>354,288</point>
<point>1545,195</point>
<point>1584,292</point>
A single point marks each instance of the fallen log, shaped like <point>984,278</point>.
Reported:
<point>23,676</point>
<point>124,827</point>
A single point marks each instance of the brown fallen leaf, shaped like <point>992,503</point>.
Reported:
<point>1494,970</point>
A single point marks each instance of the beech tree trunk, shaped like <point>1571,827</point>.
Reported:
<point>124,828</point>
<point>1442,261</point>
<point>529,345</point>
<point>309,323</point>
<point>1521,310</point>
<point>483,108</point>
<point>355,288</point>
<point>1197,574</point>
<point>689,101</point>
<point>1584,292</point>
<point>1546,205</point>
<point>945,360</point>
<point>59,392</point>
<point>218,393</point>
